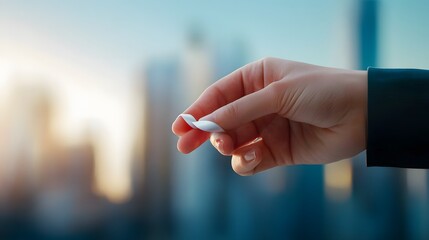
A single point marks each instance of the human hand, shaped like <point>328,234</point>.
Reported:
<point>278,112</point>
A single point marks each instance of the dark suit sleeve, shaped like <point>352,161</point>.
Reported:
<point>398,118</point>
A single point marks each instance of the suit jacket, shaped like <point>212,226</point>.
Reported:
<point>398,118</point>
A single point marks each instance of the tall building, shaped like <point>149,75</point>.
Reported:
<point>379,192</point>
<point>197,193</point>
<point>162,81</point>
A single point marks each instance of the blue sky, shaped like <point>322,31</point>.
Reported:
<point>126,31</point>
<point>123,34</point>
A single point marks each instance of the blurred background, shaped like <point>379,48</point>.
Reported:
<point>89,89</point>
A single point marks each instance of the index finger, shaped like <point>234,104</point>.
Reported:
<point>239,83</point>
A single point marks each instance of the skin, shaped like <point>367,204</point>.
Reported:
<point>277,112</point>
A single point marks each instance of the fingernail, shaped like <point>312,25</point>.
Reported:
<point>219,144</point>
<point>249,156</point>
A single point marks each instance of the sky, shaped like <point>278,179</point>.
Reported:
<point>123,34</point>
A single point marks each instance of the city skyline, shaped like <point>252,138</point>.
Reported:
<point>88,92</point>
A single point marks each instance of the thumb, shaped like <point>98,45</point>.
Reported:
<point>246,108</point>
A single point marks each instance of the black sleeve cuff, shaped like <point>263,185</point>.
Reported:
<point>398,118</point>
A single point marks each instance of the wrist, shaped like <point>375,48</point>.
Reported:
<point>360,90</point>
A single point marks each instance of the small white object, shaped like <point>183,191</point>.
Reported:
<point>207,126</point>
<point>189,119</point>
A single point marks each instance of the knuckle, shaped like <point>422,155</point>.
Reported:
<point>267,59</point>
<point>276,93</point>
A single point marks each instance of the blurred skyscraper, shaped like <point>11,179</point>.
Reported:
<point>29,141</point>
<point>198,191</point>
<point>162,81</point>
<point>378,192</point>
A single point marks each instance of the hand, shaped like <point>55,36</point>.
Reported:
<point>277,112</point>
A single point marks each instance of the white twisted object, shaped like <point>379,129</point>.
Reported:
<point>207,126</point>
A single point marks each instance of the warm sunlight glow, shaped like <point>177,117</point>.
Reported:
<point>85,107</point>
<point>338,180</point>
